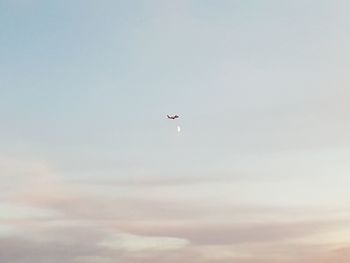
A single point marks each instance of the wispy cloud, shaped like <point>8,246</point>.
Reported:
<point>134,243</point>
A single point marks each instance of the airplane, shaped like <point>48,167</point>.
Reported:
<point>173,117</point>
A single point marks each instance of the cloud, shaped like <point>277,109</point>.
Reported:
<point>54,220</point>
<point>6,230</point>
<point>204,233</point>
<point>134,243</point>
<point>11,211</point>
<point>17,172</point>
<point>41,241</point>
<point>29,251</point>
<point>94,259</point>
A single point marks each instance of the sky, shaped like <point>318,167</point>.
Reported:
<point>91,171</point>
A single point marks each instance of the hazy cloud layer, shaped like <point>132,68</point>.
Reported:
<point>70,223</point>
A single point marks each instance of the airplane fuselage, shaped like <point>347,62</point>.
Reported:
<point>173,117</point>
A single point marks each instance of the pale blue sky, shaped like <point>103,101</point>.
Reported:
<point>83,73</point>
